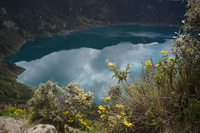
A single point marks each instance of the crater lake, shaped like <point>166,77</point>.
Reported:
<point>84,55</point>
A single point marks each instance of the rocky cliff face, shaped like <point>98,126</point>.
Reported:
<point>21,20</point>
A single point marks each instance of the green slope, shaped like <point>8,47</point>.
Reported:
<point>10,90</point>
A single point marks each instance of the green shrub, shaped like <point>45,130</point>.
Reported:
<point>57,106</point>
<point>154,120</point>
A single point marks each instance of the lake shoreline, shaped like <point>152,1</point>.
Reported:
<point>77,56</point>
<point>66,32</point>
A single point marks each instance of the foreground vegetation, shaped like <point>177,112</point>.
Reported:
<point>165,97</point>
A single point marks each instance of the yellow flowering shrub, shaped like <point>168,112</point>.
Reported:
<point>170,60</point>
<point>127,123</point>
<point>119,74</point>
<point>18,111</point>
<point>114,117</point>
<point>164,52</point>
<point>77,120</point>
<point>147,64</point>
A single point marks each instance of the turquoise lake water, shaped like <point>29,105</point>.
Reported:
<point>83,55</point>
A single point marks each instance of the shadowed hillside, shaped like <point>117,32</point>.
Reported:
<point>23,19</point>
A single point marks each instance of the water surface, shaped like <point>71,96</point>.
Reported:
<point>83,55</point>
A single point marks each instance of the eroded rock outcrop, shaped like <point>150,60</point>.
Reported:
<point>10,25</point>
<point>14,125</point>
<point>42,128</point>
<point>11,125</point>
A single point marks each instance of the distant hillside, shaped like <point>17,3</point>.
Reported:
<point>22,20</point>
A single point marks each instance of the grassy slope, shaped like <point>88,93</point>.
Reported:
<point>10,90</point>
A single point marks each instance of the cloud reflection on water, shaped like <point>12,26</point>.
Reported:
<point>88,66</point>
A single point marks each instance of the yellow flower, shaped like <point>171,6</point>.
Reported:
<point>119,117</point>
<point>148,63</point>
<point>88,127</point>
<point>170,59</point>
<point>70,121</point>
<point>157,65</point>
<point>84,123</point>
<point>189,50</point>
<point>164,52</point>
<point>79,115</point>
<point>107,98</point>
<point>99,111</point>
<point>119,106</point>
<point>111,64</point>
<point>102,116</point>
<point>122,113</point>
<point>81,120</point>
<point>74,112</point>
<point>101,107</point>
<point>15,112</point>
<point>134,86</point>
<point>127,124</point>
<point>65,113</point>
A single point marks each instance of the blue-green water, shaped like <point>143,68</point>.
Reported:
<point>83,55</point>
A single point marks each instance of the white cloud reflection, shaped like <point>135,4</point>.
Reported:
<point>88,66</point>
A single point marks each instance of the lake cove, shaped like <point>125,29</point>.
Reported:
<point>83,55</point>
